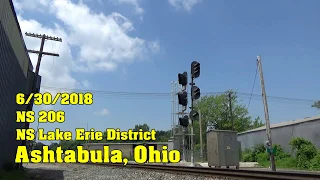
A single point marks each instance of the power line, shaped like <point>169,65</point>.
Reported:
<point>168,95</point>
<point>279,98</point>
<point>106,92</point>
<point>254,82</point>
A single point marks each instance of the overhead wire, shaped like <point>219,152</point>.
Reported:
<point>147,95</point>
<point>254,82</point>
<point>53,45</point>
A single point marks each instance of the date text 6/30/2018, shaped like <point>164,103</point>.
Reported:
<point>60,98</point>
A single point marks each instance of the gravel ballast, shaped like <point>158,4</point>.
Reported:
<point>82,171</point>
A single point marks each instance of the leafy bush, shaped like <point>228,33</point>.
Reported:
<point>257,149</point>
<point>305,152</point>
<point>250,155</point>
<point>315,162</point>
<point>261,157</point>
<point>306,155</point>
<point>280,153</point>
<point>246,155</point>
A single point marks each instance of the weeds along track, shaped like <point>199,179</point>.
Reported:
<point>220,172</point>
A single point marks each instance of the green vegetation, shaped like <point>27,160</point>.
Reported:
<point>215,109</point>
<point>305,155</point>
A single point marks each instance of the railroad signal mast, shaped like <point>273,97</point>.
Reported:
<point>195,91</point>
<point>183,99</point>
<point>195,95</point>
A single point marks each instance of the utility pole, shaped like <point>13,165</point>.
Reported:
<point>266,114</point>
<point>43,37</point>
<point>230,108</point>
<point>201,146</point>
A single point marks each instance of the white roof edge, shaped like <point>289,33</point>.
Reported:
<point>282,124</point>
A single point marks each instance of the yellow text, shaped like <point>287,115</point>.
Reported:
<point>83,135</point>
<point>55,135</point>
<point>25,134</point>
<point>69,156</point>
<point>155,156</point>
<point>25,116</point>
<point>51,116</point>
<point>116,134</point>
<point>59,98</point>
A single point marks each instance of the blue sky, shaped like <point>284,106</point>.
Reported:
<point>141,46</point>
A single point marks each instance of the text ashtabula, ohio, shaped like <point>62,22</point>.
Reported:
<point>96,156</point>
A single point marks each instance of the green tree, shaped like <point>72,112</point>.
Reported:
<point>257,123</point>
<point>316,104</point>
<point>53,146</point>
<point>144,127</point>
<point>33,145</point>
<point>163,136</point>
<point>305,152</point>
<point>70,145</point>
<point>215,109</point>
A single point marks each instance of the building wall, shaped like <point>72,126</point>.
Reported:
<point>9,22</point>
<point>159,146</point>
<point>309,130</point>
<point>14,65</point>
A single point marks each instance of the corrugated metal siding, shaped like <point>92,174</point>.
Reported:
<point>308,130</point>
<point>14,64</point>
<point>9,23</point>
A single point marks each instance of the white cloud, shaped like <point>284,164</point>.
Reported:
<point>38,5</point>
<point>134,3</point>
<point>103,112</point>
<point>184,4</point>
<point>103,42</point>
<point>59,73</point>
